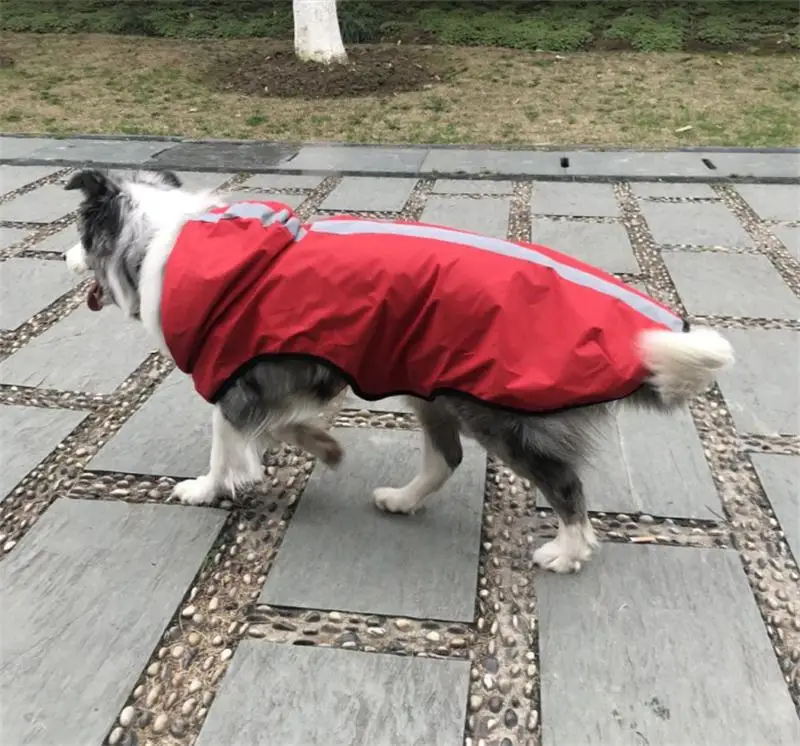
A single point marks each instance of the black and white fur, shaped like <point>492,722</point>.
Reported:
<point>128,227</point>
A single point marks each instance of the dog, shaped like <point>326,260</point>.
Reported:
<point>129,227</point>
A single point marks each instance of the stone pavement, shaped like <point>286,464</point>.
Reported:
<point>303,616</point>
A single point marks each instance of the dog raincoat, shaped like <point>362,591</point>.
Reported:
<point>401,308</point>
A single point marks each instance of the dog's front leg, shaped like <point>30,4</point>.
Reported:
<point>235,462</point>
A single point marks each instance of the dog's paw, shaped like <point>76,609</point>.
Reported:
<point>200,491</point>
<point>394,500</point>
<point>551,556</point>
<point>331,451</point>
<point>568,551</point>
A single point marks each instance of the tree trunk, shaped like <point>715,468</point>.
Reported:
<point>317,37</point>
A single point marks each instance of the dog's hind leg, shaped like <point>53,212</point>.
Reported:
<point>575,540</point>
<point>561,485</point>
<point>235,462</point>
<point>441,456</point>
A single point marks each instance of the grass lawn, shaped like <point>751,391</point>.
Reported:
<point>91,83</point>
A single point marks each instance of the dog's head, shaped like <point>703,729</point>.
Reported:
<point>116,222</point>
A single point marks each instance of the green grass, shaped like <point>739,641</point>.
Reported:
<point>646,31</point>
<point>557,25</point>
<point>62,84</point>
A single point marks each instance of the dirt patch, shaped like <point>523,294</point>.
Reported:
<point>369,70</point>
<point>61,84</point>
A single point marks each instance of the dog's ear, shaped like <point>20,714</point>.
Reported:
<point>171,179</point>
<point>92,183</point>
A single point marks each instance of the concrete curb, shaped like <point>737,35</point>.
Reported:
<point>695,164</point>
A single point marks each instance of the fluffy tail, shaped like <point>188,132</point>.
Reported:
<point>682,364</point>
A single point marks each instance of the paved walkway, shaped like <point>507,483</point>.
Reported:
<point>305,617</point>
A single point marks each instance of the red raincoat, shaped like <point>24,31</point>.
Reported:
<point>401,308</point>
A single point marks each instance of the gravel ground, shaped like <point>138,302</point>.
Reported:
<point>178,684</point>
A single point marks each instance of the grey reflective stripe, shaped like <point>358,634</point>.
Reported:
<point>265,214</point>
<point>238,210</point>
<point>644,306</point>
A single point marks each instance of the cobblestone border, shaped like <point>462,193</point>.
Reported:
<point>785,444</point>
<point>415,204</point>
<point>172,695</point>
<point>15,339</point>
<point>769,566</point>
<point>59,471</point>
<point>29,396</point>
<point>680,200</point>
<point>60,173</point>
<point>770,246</point>
<point>37,231</point>
<point>744,322</point>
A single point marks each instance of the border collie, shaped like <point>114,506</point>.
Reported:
<point>128,226</point>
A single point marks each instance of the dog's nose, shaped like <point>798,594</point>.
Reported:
<point>76,259</point>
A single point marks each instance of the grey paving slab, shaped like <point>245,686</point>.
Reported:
<point>790,238</point>
<point>221,156</point>
<point>472,186</point>
<point>390,404</point>
<point>488,217</point>
<point>169,436</point>
<point>10,236</point>
<point>694,224</point>
<point>23,147</point>
<point>27,435</point>
<point>361,159</point>
<point>772,201</point>
<point>305,696</point>
<point>501,162</point>
<point>622,164</point>
<point>658,645</point>
<point>672,189</point>
<point>88,593</point>
<point>132,152</point>
<point>29,285</point>
<point>203,179</point>
<point>715,282</point>
<point>780,477</point>
<point>757,165</point>
<point>60,241</point>
<point>604,245</point>
<point>651,463</point>
<point>85,351</point>
<point>576,199</point>
<point>369,193</point>
<point>16,177</point>
<point>761,389</point>
<point>384,567</point>
<point>276,182</point>
<point>293,200</point>
<point>42,205</point>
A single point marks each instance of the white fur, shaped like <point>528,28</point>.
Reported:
<point>684,364</point>
<point>235,463</point>
<point>168,210</point>
<point>76,259</point>
<point>569,550</point>
<point>433,474</point>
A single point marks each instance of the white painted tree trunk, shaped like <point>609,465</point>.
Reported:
<point>317,37</point>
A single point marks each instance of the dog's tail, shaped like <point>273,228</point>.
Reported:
<point>681,365</point>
